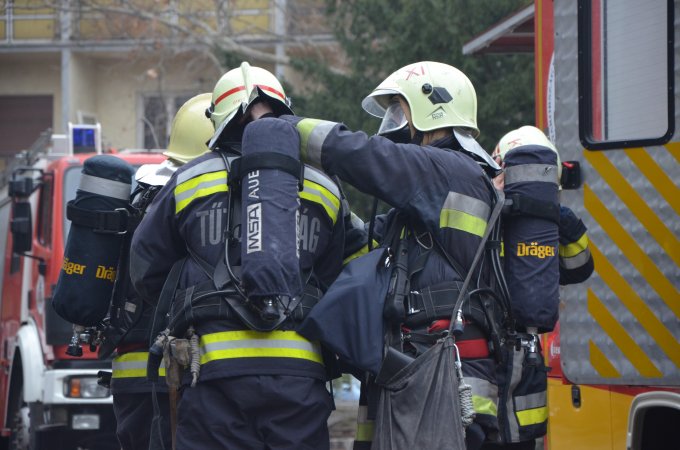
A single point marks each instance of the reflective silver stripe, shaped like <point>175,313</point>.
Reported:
<point>530,401</point>
<point>126,365</point>
<point>321,178</point>
<point>261,343</point>
<point>515,377</point>
<point>107,188</point>
<point>313,133</point>
<point>484,396</point>
<point>211,165</point>
<point>467,204</point>
<point>191,192</point>
<point>546,173</point>
<point>576,261</point>
<point>482,388</point>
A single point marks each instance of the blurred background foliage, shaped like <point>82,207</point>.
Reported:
<point>380,36</point>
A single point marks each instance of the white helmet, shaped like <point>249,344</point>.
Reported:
<point>439,96</point>
<point>526,135</point>
<point>236,91</point>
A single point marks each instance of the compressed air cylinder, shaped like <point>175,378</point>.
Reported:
<point>531,264</point>
<point>270,260</point>
<point>83,292</point>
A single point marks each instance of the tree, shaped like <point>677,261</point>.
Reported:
<point>379,36</point>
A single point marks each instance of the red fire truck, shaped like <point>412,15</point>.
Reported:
<point>48,399</point>
<point>606,76</point>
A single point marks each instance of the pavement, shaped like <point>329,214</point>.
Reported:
<point>342,424</point>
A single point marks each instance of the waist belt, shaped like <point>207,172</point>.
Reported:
<point>186,310</point>
<point>474,348</point>
<point>131,347</point>
<point>473,343</point>
<point>432,302</point>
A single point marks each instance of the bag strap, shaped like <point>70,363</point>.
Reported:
<point>456,316</point>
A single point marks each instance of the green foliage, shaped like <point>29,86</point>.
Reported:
<point>380,36</point>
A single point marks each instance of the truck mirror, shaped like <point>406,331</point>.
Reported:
<point>22,187</point>
<point>22,227</point>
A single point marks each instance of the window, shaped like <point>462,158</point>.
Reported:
<point>157,114</point>
<point>625,73</point>
<point>45,212</point>
<point>5,208</point>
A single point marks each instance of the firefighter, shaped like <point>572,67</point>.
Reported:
<point>575,261</point>
<point>438,185</point>
<point>523,381</point>
<point>132,392</point>
<point>254,385</point>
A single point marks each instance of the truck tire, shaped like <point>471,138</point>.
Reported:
<point>20,422</point>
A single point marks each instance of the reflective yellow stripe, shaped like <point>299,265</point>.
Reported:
<point>532,416</point>
<point>305,127</point>
<point>313,133</point>
<point>601,363</point>
<point>256,344</point>
<point>200,186</point>
<point>484,405</point>
<point>459,220</point>
<point>318,194</point>
<point>573,249</point>
<point>362,251</point>
<point>365,431</point>
<point>621,337</point>
<point>132,365</point>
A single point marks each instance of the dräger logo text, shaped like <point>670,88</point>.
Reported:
<point>70,267</point>
<point>533,249</point>
<point>106,273</point>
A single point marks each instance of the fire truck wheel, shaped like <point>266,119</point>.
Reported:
<point>20,428</point>
<point>20,438</point>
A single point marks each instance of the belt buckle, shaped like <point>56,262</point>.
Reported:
<point>411,309</point>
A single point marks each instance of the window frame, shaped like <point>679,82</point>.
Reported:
<point>585,94</point>
<point>170,105</point>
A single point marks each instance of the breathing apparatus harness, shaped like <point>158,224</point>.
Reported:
<point>123,315</point>
<point>222,295</point>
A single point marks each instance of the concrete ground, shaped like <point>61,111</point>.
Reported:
<point>342,424</point>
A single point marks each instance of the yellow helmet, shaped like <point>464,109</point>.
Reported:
<point>190,130</point>
<point>439,96</point>
<point>236,91</point>
<point>526,135</point>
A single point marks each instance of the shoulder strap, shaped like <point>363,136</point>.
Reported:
<point>456,316</point>
<point>452,262</point>
<point>165,300</point>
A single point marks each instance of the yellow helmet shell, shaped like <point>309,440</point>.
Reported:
<point>190,130</point>
<point>439,96</point>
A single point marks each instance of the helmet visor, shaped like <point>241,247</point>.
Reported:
<point>394,119</point>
